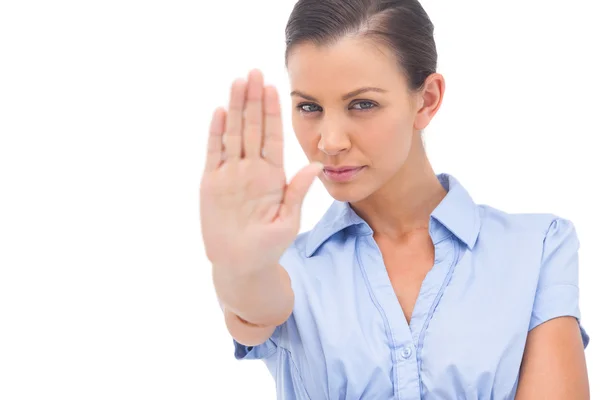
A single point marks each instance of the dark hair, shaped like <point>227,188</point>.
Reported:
<point>403,25</point>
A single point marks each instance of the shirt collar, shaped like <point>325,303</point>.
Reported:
<point>457,212</point>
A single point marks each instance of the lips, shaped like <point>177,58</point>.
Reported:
<point>341,174</point>
<point>340,170</point>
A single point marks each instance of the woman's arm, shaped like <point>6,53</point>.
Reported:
<point>553,365</point>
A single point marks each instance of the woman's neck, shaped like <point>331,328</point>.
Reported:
<point>406,202</point>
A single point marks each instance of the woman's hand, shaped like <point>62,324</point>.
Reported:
<point>249,214</point>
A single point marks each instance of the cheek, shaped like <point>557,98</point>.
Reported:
<point>388,140</point>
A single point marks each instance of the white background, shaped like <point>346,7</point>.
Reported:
<point>105,292</point>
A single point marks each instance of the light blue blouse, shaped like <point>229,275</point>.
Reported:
<point>496,276</point>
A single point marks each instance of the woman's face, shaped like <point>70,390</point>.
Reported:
<point>351,108</point>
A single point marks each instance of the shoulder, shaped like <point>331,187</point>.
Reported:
<point>298,247</point>
<point>543,244</point>
<point>548,241</point>
<point>295,255</point>
<point>529,223</point>
<point>540,230</point>
<point>538,253</point>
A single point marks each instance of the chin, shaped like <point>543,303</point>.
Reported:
<point>347,192</point>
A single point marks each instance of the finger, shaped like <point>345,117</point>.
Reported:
<point>234,121</point>
<point>214,152</point>
<point>253,116</point>
<point>273,140</point>
<point>299,185</point>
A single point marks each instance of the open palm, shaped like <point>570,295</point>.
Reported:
<point>249,214</point>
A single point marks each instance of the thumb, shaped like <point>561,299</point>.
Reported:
<point>299,185</point>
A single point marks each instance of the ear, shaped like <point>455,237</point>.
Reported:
<point>429,100</point>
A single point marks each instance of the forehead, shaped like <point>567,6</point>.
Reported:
<point>344,65</point>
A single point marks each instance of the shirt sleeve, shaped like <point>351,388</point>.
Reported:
<point>557,292</point>
<point>260,352</point>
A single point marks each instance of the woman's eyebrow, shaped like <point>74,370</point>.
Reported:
<point>363,90</point>
<point>344,97</point>
<point>300,94</point>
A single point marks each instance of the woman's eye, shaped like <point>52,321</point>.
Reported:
<point>363,105</point>
<point>309,107</point>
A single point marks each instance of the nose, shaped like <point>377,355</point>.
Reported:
<point>333,141</point>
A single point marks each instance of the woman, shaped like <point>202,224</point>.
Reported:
<point>406,289</point>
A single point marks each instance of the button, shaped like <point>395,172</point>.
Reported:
<point>406,352</point>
